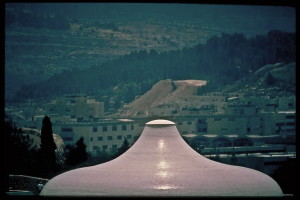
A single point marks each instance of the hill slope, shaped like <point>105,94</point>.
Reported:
<point>163,92</point>
<point>271,80</point>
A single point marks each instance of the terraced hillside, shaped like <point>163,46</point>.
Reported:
<point>45,39</point>
<point>34,54</point>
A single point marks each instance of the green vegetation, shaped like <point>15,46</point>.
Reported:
<point>222,60</point>
<point>30,19</point>
<point>48,146</point>
<point>44,39</point>
<point>125,146</point>
<point>20,159</point>
<point>43,162</point>
<point>76,154</point>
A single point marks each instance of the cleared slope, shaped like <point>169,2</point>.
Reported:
<point>163,92</point>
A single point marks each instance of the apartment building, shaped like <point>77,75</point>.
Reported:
<point>106,135</point>
<point>260,124</point>
<point>81,108</point>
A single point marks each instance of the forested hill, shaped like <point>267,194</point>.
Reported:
<point>221,60</point>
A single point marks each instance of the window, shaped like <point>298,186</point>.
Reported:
<point>290,124</point>
<point>100,138</point>
<point>95,148</point>
<point>132,127</point>
<point>119,137</point>
<point>95,129</point>
<point>290,117</point>
<point>109,137</point>
<point>104,147</point>
<point>68,139</point>
<point>104,128</point>
<point>218,119</point>
<point>200,121</point>
<point>179,123</point>
<point>114,128</point>
<point>129,136</point>
<point>189,123</point>
<point>202,129</point>
<point>124,128</point>
<point>91,139</point>
<point>66,129</point>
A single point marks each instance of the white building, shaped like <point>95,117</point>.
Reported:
<point>107,135</point>
<point>81,108</point>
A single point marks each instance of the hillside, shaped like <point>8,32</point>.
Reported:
<point>270,80</point>
<point>36,54</point>
<point>163,92</point>
<point>221,61</point>
<point>42,40</point>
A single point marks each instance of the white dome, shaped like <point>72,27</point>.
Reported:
<point>159,122</point>
<point>160,163</point>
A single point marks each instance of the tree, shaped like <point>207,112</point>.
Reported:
<point>81,150</point>
<point>270,80</point>
<point>48,146</point>
<point>125,146</point>
<point>76,154</point>
<point>17,149</point>
<point>21,158</point>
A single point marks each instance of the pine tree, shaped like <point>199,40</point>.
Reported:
<point>76,154</point>
<point>125,146</point>
<point>81,150</point>
<point>48,146</point>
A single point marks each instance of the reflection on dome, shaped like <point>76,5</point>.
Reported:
<point>161,144</point>
<point>163,174</point>
<point>162,165</point>
<point>165,187</point>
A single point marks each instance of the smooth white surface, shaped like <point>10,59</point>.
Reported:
<point>160,163</point>
<point>160,122</point>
